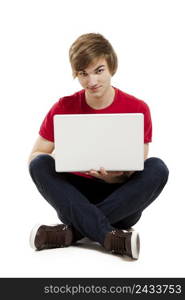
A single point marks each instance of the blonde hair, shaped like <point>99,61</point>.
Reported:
<point>88,47</point>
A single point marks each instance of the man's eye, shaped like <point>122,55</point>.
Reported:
<point>82,74</point>
<point>100,71</point>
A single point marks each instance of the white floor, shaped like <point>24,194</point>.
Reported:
<point>162,243</point>
<point>36,73</point>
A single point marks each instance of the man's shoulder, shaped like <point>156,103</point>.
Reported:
<point>72,97</point>
<point>131,99</point>
<point>71,103</point>
<point>67,104</point>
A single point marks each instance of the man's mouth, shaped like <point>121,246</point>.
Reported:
<point>94,88</point>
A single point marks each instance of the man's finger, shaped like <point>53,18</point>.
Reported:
<point>103,171</point>
<point>94,173</point>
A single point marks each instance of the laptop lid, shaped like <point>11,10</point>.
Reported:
<point>90,141</point>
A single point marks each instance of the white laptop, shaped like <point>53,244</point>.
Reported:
<point>90,141</point>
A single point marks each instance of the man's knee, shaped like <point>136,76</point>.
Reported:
<point>40,162</point>
<point>158,165</point>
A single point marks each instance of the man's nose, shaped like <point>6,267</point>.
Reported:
<point>92,81</point>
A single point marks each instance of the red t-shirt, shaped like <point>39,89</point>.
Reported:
<point>76,104</point>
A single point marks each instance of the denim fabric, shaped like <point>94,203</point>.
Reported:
<point>92,206</point>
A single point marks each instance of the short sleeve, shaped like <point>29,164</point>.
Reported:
<point>47,127</point>
<point>147,124</point>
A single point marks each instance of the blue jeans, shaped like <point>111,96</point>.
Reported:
<point>92,206</point>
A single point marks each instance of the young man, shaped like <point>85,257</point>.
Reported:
<point>97,204</point>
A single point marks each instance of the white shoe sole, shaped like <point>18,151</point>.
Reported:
<point>135,244</point>
<point>33,235</point>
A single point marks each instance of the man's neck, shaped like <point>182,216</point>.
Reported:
<point>100,102</point>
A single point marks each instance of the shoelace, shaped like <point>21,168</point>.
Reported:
<point>118,242</point>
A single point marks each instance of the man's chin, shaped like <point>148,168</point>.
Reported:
<point>96,92</point>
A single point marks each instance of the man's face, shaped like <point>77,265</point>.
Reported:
<point>96,78</point>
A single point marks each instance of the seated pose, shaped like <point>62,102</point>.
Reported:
<point>99,204</point>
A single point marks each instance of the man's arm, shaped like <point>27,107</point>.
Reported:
<point>146,150</point>
<point>41,146</point>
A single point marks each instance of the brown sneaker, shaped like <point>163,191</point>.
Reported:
<point>47,237</point>
<point>123,242</point>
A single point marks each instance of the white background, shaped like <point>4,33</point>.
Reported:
<point>148,37</point>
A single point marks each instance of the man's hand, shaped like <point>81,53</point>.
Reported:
<point>108,176</point>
